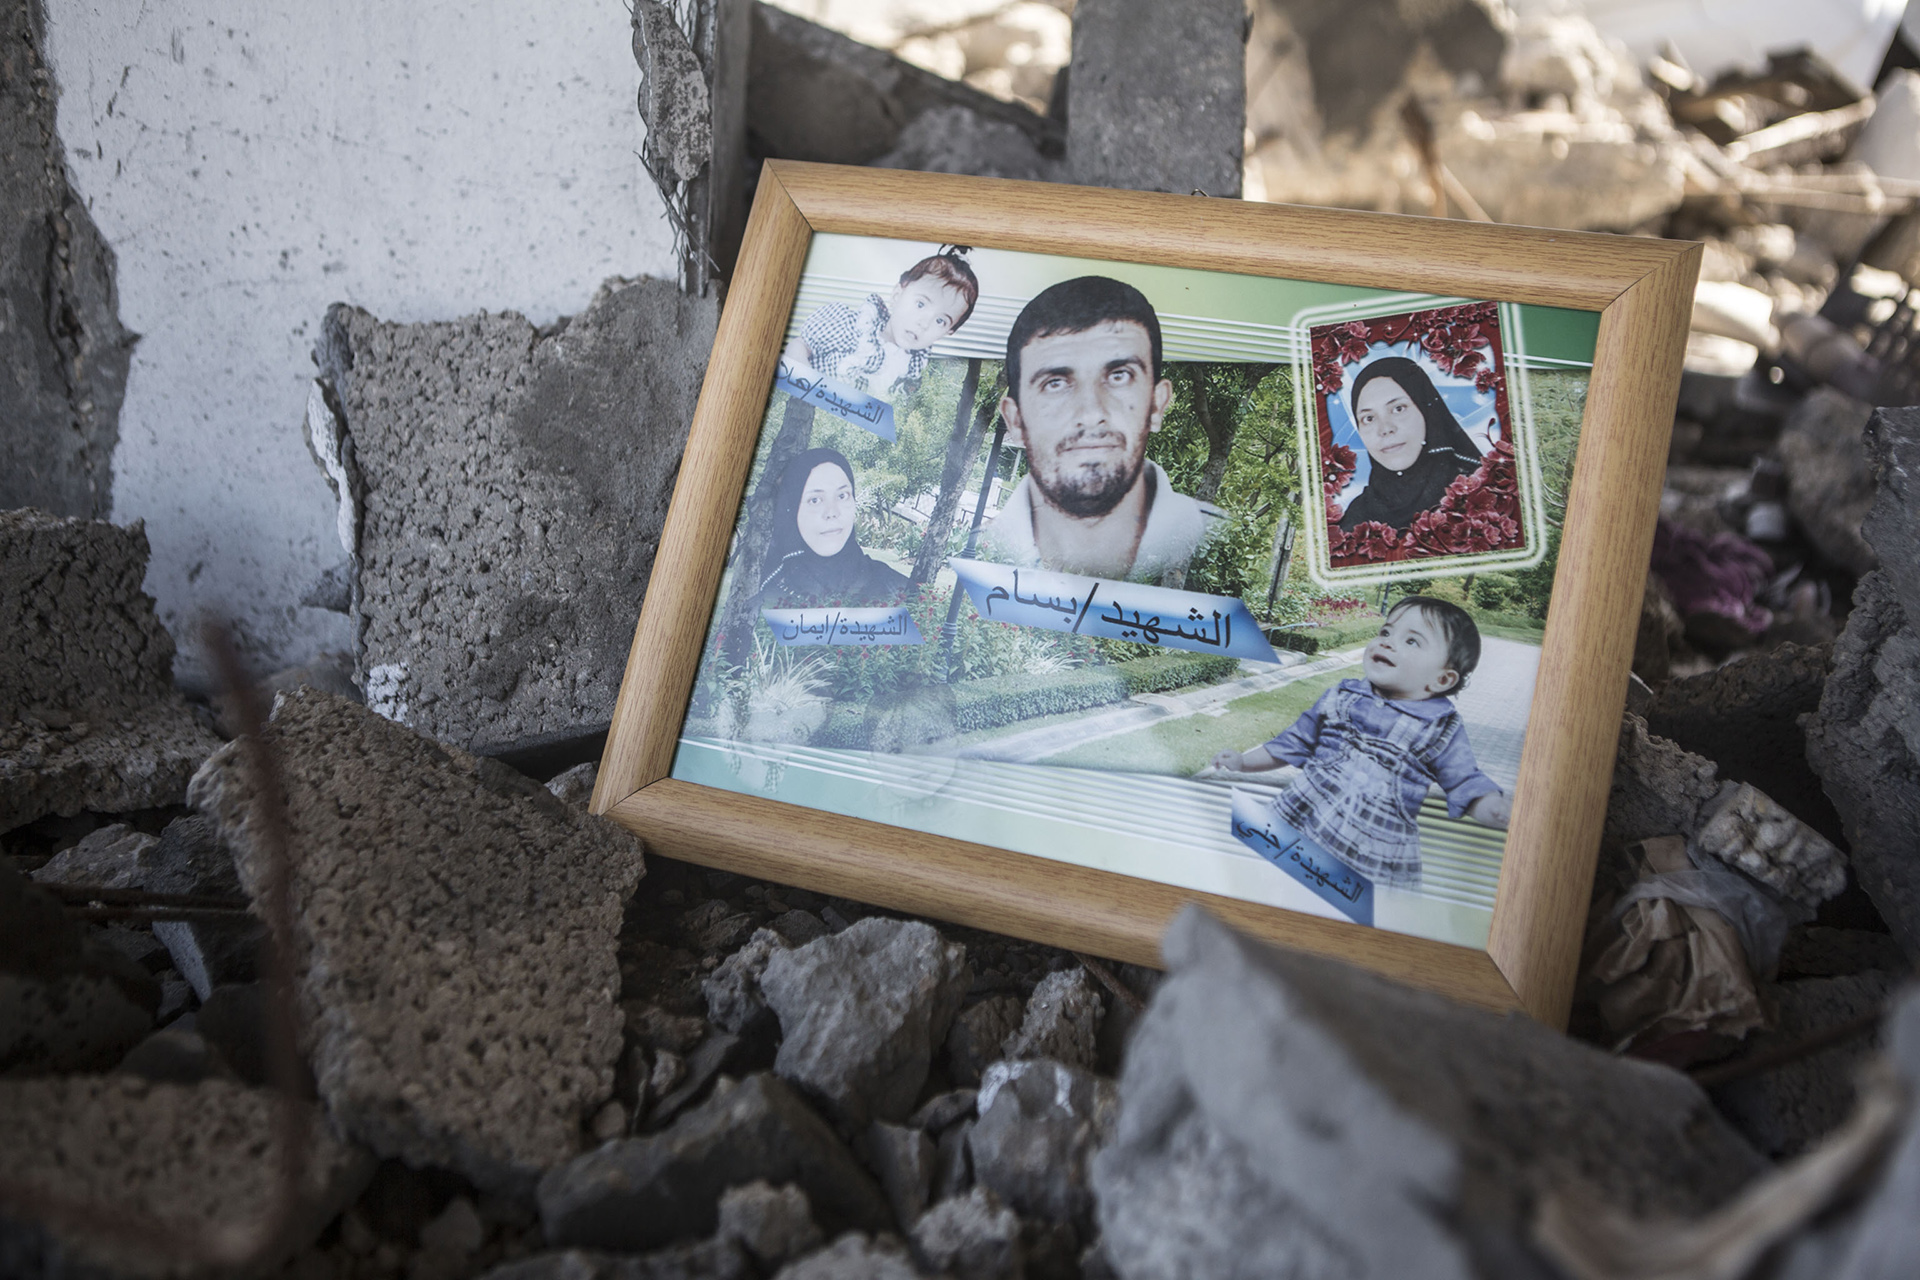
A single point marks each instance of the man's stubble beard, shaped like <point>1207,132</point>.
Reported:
<point>1089,492</point>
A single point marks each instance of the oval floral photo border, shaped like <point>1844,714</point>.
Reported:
<point>1480,512</point>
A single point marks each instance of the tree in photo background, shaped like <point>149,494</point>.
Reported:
<point>1480,511</point>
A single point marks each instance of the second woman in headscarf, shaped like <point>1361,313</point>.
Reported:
<point>815,557</point>
<point>1416,446</point>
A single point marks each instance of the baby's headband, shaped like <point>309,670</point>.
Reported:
<point>954,251</point>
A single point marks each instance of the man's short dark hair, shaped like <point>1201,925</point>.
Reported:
<point>1456,627</point>
<point>1075,306</point>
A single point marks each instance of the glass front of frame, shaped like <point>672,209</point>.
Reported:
<point>1228,582</point>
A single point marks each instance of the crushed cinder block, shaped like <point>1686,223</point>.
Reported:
<point>1062,1020</point>
<point>511,486</point>
<point>814,94</point>
<point>89,717</point>
<point>647,1192</point>
<point>860,1013</point>
<point>201,1159</point>
<point>454,947</point>
<point>1166,112</point>
<point>1284,1114</point>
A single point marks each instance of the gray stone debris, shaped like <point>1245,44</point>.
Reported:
<point>575,785</point>
<point>211,953</point>
<point>734,999</point>
<point>1040,1122</point>
<point>190,859</point>
<point>89,718</point>
<point>978,1033</point>
<point>937,1113</point>
<point>854,1257</point>
<point>1157,95</point>
<point>1659,789</point>
<point>952,1166</point>
<point>455,948</point>
<point>1819,952</point>
<point>814,94</point>
<point>191,1156</point>
<point>512,486</point>
<point>110,857</point>
<point>67,1001</point>
<point>1062,1020</point>
<point>774,1224</point>
<point>1745,717</point>
<point>63,352</point>
<point>970,1237</point>
<point>1788,1109</point>
<point>860,1013</point>
<point>1288,1115</point>
<point>903,1159</point>
<point>646,1192</point>
<point>1831,482</point>
<point>696,1260</point>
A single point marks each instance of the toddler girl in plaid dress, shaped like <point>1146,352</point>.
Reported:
<point>1369,748</point>
<point>880,346</point>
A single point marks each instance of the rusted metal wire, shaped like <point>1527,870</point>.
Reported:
<point>87,893</point>
<point>1111,981</point>
<point>247,1246</point>
<point>1805,1047</point>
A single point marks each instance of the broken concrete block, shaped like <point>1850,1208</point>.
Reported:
<point>854,1257</point>
<point>1157,95</point>
<point>860,1012</point>
<point>190,859</point>
<point>1062,1021</point>
<point>89,718</point>
<point>903,1159</point>
<point>455,947</point>
<point>978,1033</point>
<point>774,1224</point>
<point>512,491</point>
<point>1830,483</point>
<point>67,1002</point>
<point>1659,789</point>
<point>814,94</point>
<point>1040,1122</point>
<point>1789,1108</point>
<point>734,999</point>
<point>108,858</point>
<point>646,1192</point>
<point>970,1237</point>
<point>211,953</point>
<point>1745,717</point>
<point>1285,1114</point>
<point>202,1159</point>
<point>697,1260</point>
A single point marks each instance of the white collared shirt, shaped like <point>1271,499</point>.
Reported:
<point>1177,527</point>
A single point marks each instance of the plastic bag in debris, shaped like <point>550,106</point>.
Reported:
<point>1759,918</point>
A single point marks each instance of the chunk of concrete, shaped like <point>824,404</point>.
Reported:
<point>203,1160</point>
<point>89,718</point>
<point>1745,717</point>
<point>454,949</point>
<point>774,1224</point>
<point>646,1192</point>
<point>903,1158</point>
<point>1659,789</point>
<point>1040,1122</point>
<point>109,858</point>
<point>1062,1021</point>
<point>512,487</point>
<point>970,1237</point>
<point>977,1035</point>
<point>697,1260</point>
<point>860,1012</point>
<point>814,94</point>
<point>1285,1114</point>
<point>1789,1108</point>
<point>854,1257</point>
<point>734,999</point>
<point>1829,480</point>
<point>1157,95</point>
<point>67,1002</point>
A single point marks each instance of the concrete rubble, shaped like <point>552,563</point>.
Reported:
<point>508,503</point>
<point>454,952</point>
<point>1282,1114</point>
<point>89,718</point>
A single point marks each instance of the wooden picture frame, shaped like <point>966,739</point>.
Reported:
<point>1641,290</point>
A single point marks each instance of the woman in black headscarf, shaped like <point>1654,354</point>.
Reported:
<point>1417,446</point>
<point>815,557</point>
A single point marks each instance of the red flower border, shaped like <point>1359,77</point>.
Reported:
<point>1480,511</point>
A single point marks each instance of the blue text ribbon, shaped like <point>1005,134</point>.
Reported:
<point>1117,610</point>
<point>842,626</point>
<point>837,398</point>
<point>1257,826</point>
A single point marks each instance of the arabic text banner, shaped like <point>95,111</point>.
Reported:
<point>842,626</point>
<point>1117,610</point>
<point>842,401</point>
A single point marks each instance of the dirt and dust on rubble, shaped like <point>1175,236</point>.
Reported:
<point>334,997</point>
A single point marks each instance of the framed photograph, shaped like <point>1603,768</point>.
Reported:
<point>1044,558</point>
